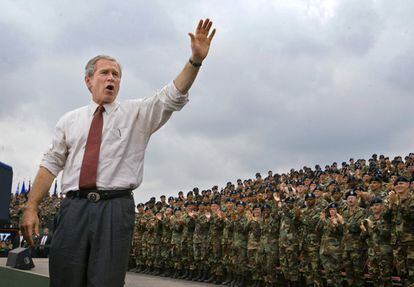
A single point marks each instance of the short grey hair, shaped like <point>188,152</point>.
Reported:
<point>90,66</point>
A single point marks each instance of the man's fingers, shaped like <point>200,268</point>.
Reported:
<point>27,231</point>
<point>200,24</point>
<point>212,34</point>
<point>209,26</point>
<point>191,36</point>
<point>206,22</point>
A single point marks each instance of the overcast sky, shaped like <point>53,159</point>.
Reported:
<point>286,83</point>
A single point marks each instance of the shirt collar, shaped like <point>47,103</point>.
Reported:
<point>108,107</point>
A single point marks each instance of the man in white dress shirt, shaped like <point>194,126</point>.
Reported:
<point>100,149</point>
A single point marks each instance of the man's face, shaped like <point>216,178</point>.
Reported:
<point>351,200</point>
<point>105,82</point>
<point>376,208</point>
<point>402,187</point>
<point>375,185</point>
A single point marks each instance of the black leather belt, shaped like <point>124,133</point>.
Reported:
<point>96,195</point>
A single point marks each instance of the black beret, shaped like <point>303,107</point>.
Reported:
<point>241,203</point>
<point>170,198</point>
<point>309,196</point>
<point>333,205</point>
<point>351,193</point>
<point>257,205</point>
<point>177,209</point>
<point>376,200</point>
<point>289,199</point>
<point>266,206</point>
<point>336,189</point>
<point>402,179</point>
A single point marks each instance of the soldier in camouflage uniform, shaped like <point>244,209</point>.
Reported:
<point>177,225</point>
<point>145,247</point>
<point>289,242</point>
<point>200,247</point>
<point>187,257</point>
<point>155,232</point>
<point>136,251</point>
<point>402,207</point>
<point>311,239</point>
<point>253,227</point>
<point>331,227</point>
<point>227,241</point>
<point>239,250</point>
<point>166,258</point>
<point>269,243</point>
<point>354,255</point>
<point>214,239</point>
<point>376,229</point>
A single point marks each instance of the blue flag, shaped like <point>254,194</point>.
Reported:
<point>23,191</point>
<point>55,191</point>
<point>17,189</point>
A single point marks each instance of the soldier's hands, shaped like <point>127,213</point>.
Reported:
<point>362,227</point>
<point>298,212</point>
<point>340,218</point>
<point>29,224</point>
<point>393,197</point>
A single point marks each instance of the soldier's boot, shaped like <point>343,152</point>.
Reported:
<point>206,275</point>
<point>164,272</point>
<point>184,275</point>
<point>157,271</point>
<point>229,279</point>
<point>192,275</point>
<point>188,274</point>
<point>233,282</point>
<point>218,280</point>
<point>151,271</point>
<point>197,274</point>
<point>175,275</point>
<point>243,281</point>
<point>211,279</point>
<point>146,270</point>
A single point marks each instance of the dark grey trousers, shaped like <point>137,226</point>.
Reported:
<point>91,242</point>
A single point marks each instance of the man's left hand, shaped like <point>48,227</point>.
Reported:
<point>200,41</point>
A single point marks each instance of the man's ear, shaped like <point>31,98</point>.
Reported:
<point>88,83</point>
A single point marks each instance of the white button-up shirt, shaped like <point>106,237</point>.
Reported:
<point>127,127</point>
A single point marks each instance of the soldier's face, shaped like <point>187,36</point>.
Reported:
<point>337,196</point>
<point>257,212</point>
<point>376,208</point>
<point>351,200</point>
<point>402,187</point>
<point>310,202</point>
<point>375,185</point>
<point>332,212</point>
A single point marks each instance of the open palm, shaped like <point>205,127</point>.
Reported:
<point>201,40</point>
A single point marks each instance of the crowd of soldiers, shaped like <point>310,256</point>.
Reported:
<point>47,210</point>
<point>349,225</point>
<point>345,224</point>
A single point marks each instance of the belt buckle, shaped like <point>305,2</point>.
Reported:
<point>93,197</point>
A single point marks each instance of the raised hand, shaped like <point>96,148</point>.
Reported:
<point>200,41</point>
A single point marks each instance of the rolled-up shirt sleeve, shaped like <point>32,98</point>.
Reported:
<point>54,158</point>
<point>156,110</point>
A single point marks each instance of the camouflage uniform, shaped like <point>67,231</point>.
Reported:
<point>253,227</point>
<point>176,238</point>
<point>187,243</point>
<point>403,238</point>
<point>214,239</point>
<point>378,237</point>
<point>239,250</point>
<point>289,245</point>
<point>354,249</point>
<point>226,242</point>
<point>166,243</point>
<point>200,247</point>
<point>155,233</point>
<point>268,253</point>
<point>330,250</point>
<point>137,241</point>
<point>311,240</point>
